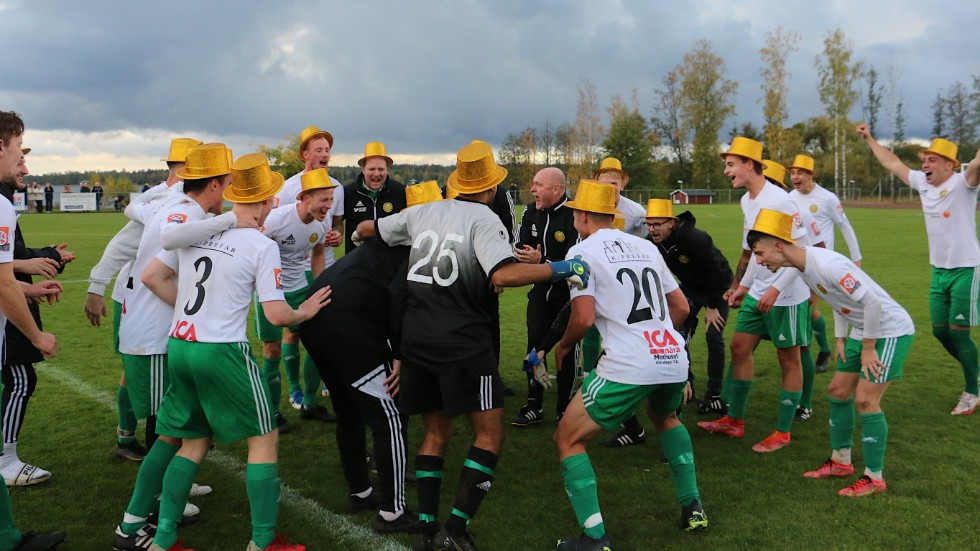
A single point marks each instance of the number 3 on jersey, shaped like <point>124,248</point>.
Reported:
<point>428,242</point>
<point>191,309</point>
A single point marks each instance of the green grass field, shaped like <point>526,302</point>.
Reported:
<point>753,501</point>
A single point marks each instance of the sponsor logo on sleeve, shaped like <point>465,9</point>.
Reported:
<point>278,276</point>
<point>275,202</point>
<point>4,238</point>
<point>849,283</point>
<point>176,218</point>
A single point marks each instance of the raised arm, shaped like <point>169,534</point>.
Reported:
<point>972,173</point>
<point>889,160</point>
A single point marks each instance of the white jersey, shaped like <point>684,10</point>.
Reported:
<point>295,240</point>
<point>773,197</point>
<point>843,285</point>
<point>827,211</point>
<point>294,185</point>
<point>635,216</point>
<point>951,220</point>
<point>8,227</point>
<point>630,281</point>
<point>215,281</point>
<point>145,319</point>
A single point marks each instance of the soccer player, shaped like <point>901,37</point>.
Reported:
<point>545,235</point>
<point>870,358</point>
<point>300,230</point>
<point>828,212</point>
<point>449,367</point>
<point>774,306</point>
<point>117,258</point>
<point>13,307</point>
<point>636,305</point>
<point>314,150</point>
<point>949,201</point>
<point>217,392</point>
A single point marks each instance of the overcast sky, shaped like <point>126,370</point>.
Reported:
<point>106,84</point>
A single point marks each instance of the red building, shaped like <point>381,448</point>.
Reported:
<point>692,197</point>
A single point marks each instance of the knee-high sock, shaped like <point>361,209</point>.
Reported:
<point>841,423</point>
<point>809,369</point>
<point>148,484</point>
<point>263,487</point>
<point>270,370</point>
<point>428,475</point>
<point>126,431</point>
<point>9,534</point>
<point>820,333</point>
<point>290,359</point>
<point>874,438</point>
<point>788,402</point>
<point>176,485</point>
<point>726,387</point>
<point>740,398</point>
<point>311,382</point>
<point>676,444</point>
<point>966,353</point>
<point>581,487</point>
<point>474,483</point>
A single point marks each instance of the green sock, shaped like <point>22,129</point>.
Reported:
<point>809,369</point>
<point>591,347</point>
<point>263,486</point>
<point>580,485</point>
<point>874,438</point>
<point>966,351</point>
<point>9,534</point>
<point>148,483</point>
<point>311,382</point>
<point>740,398</point>
<point>127,419</point>
<point>726,387</point>
<point>290,359</point>
<point>841,423</point>
<point>176,485</point>
<point>270,370</point>
<point>820,333</point>
<point>788,402</point>
<point>676,445</point>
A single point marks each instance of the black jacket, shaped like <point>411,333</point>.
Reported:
<point>19,348</point>
<point>691,255</point>
<point>553,228</point>
<point>359,206</point>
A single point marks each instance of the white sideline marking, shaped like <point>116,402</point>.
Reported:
<point>339,526</point>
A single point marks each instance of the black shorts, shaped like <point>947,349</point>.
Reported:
<point>472,385</point>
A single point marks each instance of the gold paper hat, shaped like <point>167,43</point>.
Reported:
<point>315,179</point>
<point>660,208</point>
<point>775,173</point>
<point>374,149</point>
<point>420,194</point>
<point>451,192</point>
<point>612,164</point>
<point>476,169</point>
<point>944,148</point>
<point>619,222</point>
<point>593,196</point>
<point>252,181</point>
<point>803,162</point>
<point>311,132</point>
<point>775,223</point>
<point>744,147</point>
<point>178,149</point>
<point>208,160</point>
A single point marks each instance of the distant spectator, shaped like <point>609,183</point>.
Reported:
<point>97,189</point>
<point>35,196</point>
<point>66,188</point>
<point>146,186</point>
<point>118,203</point>
<point>48,196</point>
<point>84,188</point>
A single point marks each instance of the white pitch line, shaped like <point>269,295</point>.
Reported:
<point>339,526</point>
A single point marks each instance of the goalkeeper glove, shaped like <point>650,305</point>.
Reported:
<point>576,271</point>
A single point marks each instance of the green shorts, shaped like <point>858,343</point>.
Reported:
<point>116,317</point>
<point>609,404</point>
<point>891,351</point>
<point>953,296</point>
<point>147,379</point>
<point>785,326</point>
<point>217,391</point>
<point>268,332</point>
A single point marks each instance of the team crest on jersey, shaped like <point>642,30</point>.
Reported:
<point>184,330</point>
<point>683,259</point>
<point>821,288</point>
<point>849,283</point>
<point>813,208</point>
<point>278,276</point>
<point>942,194</point>
<point>314,237</point>
<point>289,240</point>
<point>4,238</point>
<point>387,207</point>
<point>177,218</point>
<point>560,236</point>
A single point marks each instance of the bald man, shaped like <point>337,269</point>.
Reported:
<point>545,235</point>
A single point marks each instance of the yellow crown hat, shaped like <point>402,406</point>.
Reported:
<point>619,222</point>
<point>944,148</point>
<point>178,149</point>
<point>374,149</point>
<point>420,194</point>
<point>476,169</point>
<point>660,208</point>
<point>775,223</point>
<point>208,160</point>
<point>593,196</point>
<point>311,132</point>
<point>803,162</point>
<point>744,147</point>
<point>775,173</point>
<point>252,180</point>
<point>612,164</point>
<point>315,179</point>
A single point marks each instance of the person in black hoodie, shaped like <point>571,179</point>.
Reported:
<point>374,194</point>
<point>19,377</point>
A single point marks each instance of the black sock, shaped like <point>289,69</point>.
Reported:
<point>632,426</point>
<point>428,485</point>
<point>474,483</point>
